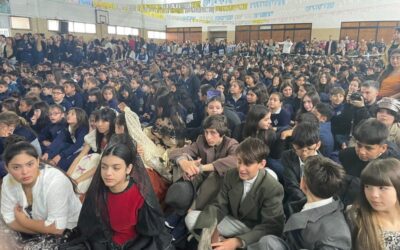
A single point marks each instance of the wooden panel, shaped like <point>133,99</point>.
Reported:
<point>264,35</point>
<point>385,33</point>
<point>193,36</point>
<point>253,35</point>
<point>300,35</point>
<point>242,36</point>
<point>277,35</point>
<point>254,27</point>
<point>350,24</point>
<point>368,24</point>
<point>179,37</point>
<point>172,36</point>
<point>278,26</point>
<point>289,26</point>
<point>196,29</point>
<point>352,33</point>
<point>303,25</point>
<point>242,27</point>
<point>367,34</point>
<point>388,24</point>
<point>172,30</point>
<point>290,34</point>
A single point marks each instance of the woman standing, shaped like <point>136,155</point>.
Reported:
<point>376,218</point>
<point>390,78</point>
<point>36,198</point>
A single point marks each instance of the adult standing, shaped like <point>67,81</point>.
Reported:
<point>390,77</point>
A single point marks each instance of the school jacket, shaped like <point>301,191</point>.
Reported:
<point>261,209</point>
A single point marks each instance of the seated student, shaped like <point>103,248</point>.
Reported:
<point>109,97</point>
<point>59,98</point>
<point>374,219</point>
<point>388,113</point>
<point>280,117</point>
<point>84,165</point>
<point>94,102</point>
<point>248,205</point>
<point>138,95</point>
<point>11,123</point>
<point>121,193</point>
<point>340,126</point>
<point>46,95</point>
<point>318,221</point>
<point>324,113</point>
<point>237,99</point>
<point>9,104</point>
<point>73,139</point>
<point>289,98</point>
<point>73,94</point>
<point>4,92</point>
<point>36,89</point>
<point>25,107</point>
<point>206,160</point>
<point>305,143</point>
<point>53,133</point>
<point>36,198</point>
<point>371,143</point>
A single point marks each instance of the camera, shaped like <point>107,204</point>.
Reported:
<point>356,96</point>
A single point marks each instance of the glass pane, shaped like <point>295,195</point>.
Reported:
<point>20,23</point>
<point>71,26</point>
<point>79,27</point>
<point>53,25</point>
<point>120,30</point>
<point>111,30</point>
<point>90,28</point>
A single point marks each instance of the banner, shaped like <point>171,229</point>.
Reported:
<point>233,7</point>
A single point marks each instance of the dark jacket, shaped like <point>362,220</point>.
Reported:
<point>291,176</point>
<point>54,133</point>
<point>261,209</point>
<point>76,100</point>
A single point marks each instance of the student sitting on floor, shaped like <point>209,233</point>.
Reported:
<point>316,222</point>
<point>248,206</point>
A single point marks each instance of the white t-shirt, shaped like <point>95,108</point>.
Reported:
<point>53,199</point>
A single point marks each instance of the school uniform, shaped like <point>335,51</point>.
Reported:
<point>5,95</point>
<point>256,204</point>
<point>240,105</point>
<point>55,133</point>
<point>64,103</point>
<point>318,225</point>
<point>72,145</point>
<point>280,119</point>
<point>76,100</point>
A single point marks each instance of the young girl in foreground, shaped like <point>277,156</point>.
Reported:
<point>376,219</point>
<point>121,209</point>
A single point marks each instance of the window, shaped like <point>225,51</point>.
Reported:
<point>5,32</point>
<point>81,27</point>
<point>156,35</point>
<point>53,25</point>
<point>111,30</point>
<point>120,30</point>
<point>21,23</point>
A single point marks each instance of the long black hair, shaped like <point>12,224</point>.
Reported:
<point>108,115</point>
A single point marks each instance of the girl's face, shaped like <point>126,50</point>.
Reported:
<point>113,172</point>
<point>275,81</point>
<point>221,88</point>
<point>251,97</point>
<point>287,91</point>
<point>92,122</point>
<point>108,95</point>
<point>384,116</point>
<point>71,117</point>
<point>215,108</point>
<point>103,126</point>
<point>307,104</point>
<point>92,98</point>
<point>6,130</point>
<point>249,81</point>
<point>353,87</point>
<point>23,107</point>
<point>301,81</point>
<point>265,122</point>
<point>323,79</point>
<point>381,199</point>
<point>56,115</point>
<point>274,103</point>
<point>301,93</point>
<point>24,169</point>
<point>395,60</point>
<point>119,129</point>
<point>235,89</point>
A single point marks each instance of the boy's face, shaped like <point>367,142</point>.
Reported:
<point>23,107</point>
<point>58,95</point>
<point>337,99</point>
<point>3,88</point>
<point>248,172</point>
<point>307,151</point>
<point>34,90</point>
<point>46,91</point>
<point>368,152</point>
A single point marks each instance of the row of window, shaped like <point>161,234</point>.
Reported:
<point>77,27</point>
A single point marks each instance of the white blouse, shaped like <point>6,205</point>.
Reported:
<point>53,199</point>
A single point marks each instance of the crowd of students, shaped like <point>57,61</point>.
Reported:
<point>209,147</point>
